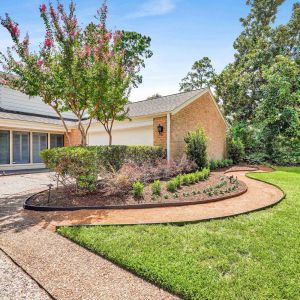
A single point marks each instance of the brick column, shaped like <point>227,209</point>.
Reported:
<point>160,139</point>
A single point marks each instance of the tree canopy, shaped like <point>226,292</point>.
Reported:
<point>199,77</point>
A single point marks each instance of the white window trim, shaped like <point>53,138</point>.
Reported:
<point>31,163</point>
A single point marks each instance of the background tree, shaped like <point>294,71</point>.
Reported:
<point>244,86</point>
<point>137,50</point>
<point>199,77</point>
<point>154,96</point>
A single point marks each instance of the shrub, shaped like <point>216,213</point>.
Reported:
<point>138,189</point>
<point>74,164</point>
<point>185,179</point>
<point>236,149</point>
<point>214,163</point>
<point>196,147</point>
<point>171,185</point>
<point>113,157</point>
<point>156,188</point>
<point>192,178</point>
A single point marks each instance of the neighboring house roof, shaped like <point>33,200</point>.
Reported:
<point>160,105</point>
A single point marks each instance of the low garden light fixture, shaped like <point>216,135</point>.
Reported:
<point>160,129</point>
<point>50,186</point>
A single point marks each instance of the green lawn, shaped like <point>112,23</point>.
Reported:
<point>253,256</point>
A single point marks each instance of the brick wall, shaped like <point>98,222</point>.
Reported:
<point>75,137</point>
<point>200,113</point>
<point>160,139</point>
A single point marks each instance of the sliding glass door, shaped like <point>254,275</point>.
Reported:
<point>39,143</point>
<point>21,150</point>
<point>4,147</point>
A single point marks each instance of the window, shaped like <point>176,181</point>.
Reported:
<point>56,140</point>
<point>39,143</point>
<point>21,153</point>
<point>4,147</point>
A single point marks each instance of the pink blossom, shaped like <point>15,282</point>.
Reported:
<point>48,41</point>
<point>14,29</point>
<point>40,62</point>
<point>3,81</point>
<point>52,12</point>
<point>43,8</point>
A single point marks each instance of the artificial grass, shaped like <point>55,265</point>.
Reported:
<point>252,256</point>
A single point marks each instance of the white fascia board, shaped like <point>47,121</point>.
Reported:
<point>32,126</point>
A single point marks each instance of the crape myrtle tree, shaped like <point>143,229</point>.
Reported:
<point>118,71</point>
<point>76,69</point>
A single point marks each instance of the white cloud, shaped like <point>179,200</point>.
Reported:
<point>153,8</point>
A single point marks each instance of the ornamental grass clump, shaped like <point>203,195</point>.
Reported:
<point>156,188</point>
<point>138,189</point>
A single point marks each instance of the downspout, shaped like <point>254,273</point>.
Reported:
<point>168,136</point>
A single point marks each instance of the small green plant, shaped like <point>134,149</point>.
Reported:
<point>176,195</point>
<point>138,189</point>
<point>172,185</point>
<point>166,196</point>
<point>156,188</point>
<point>192,178</point>
<point>154,197</point>
<point>194,192</point>
<point>178,179</point>
<point>185,179</point>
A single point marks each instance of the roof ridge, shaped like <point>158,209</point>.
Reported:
<point>167,96</point>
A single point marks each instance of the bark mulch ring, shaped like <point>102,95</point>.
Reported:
<point>217,187</point>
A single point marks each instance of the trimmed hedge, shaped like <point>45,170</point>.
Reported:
<point>84,164</point>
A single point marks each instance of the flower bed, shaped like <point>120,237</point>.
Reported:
<point>214,188</point>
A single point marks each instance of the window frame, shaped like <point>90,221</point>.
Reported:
<point>9,147</point>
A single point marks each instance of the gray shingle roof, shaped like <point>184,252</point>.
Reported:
<point>160,105</point>
<point>20,117</point>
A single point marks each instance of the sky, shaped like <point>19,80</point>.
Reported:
<point>182,31</point>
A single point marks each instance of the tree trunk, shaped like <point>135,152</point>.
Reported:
<point>110,138</point>
<point>64,124</point>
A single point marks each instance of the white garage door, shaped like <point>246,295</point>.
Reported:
<point>129,136</point>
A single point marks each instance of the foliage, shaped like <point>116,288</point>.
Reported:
<point>200,77</point>
<point>220,163</point>
<point>278,115</point>
<point>235,148</point>
<point>196,147</point>
<point>84,165</point>
<point>138,189</point>
<point>187,179</point>
<point>156,188</point>
<point>74,164</point>
<point>253,89</point>
<point>154,96</point>
<point>159,169</point>
<point>88,71</point>
<point>172,185</point>
<point>219,259</point>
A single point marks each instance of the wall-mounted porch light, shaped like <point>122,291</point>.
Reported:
<point>160,129</point>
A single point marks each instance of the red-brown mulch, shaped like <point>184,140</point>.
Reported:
<point>61,198</point>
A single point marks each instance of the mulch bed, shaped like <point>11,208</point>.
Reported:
<point>185,195</point>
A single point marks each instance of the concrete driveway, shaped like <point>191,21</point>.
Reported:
<point>37,263</point>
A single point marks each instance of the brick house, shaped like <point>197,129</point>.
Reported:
<point>28,126</point>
